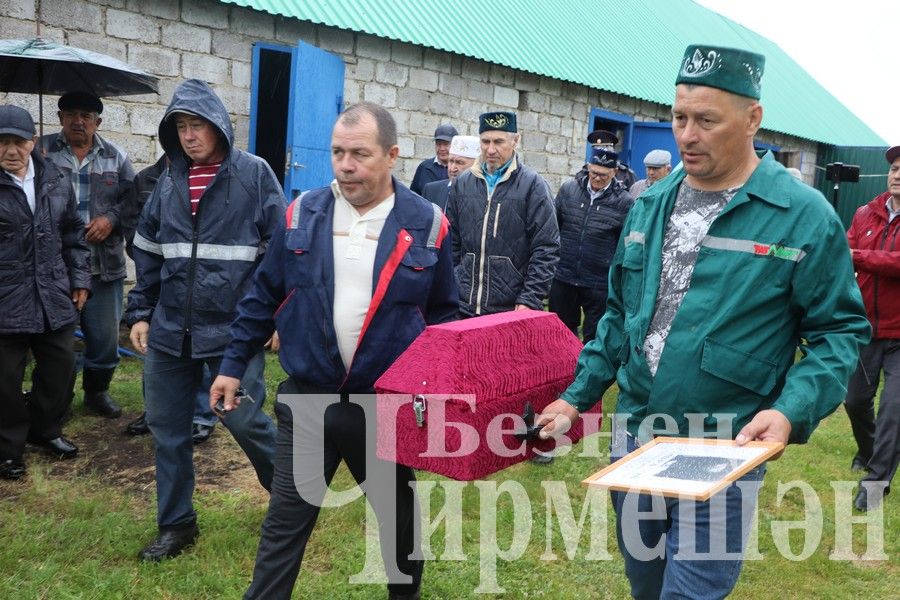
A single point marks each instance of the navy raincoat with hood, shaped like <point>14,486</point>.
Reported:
<point>192,271</point>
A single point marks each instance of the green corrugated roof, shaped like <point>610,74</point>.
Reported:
<point>627,46</point>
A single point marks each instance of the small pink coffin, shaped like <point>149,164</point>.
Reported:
<point>453,403</point>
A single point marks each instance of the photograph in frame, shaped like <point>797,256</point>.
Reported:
<point>693,468</point>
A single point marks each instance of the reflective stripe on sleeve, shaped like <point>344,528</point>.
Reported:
<point>635,237</point>
<point>146,245</point>
<point>436,222</point>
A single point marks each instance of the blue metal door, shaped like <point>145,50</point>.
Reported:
<point>651,136</point>
<point>317,98</point>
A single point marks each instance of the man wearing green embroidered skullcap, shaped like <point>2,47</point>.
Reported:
<point>503,226</point>
<point>723,269</point>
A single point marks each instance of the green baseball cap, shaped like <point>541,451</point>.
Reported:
<point>730,69</point>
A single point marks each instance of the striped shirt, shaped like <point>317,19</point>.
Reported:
<point>199,178</point>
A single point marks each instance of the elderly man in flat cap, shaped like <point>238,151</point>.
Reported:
<point>590,210</point>
<point>44,282</point>
<point>658,164</point>
<point>101,175</point>
<point>724,269</point>
<point>505,237</point>
<point>435,168</point>
<point>464,149</point>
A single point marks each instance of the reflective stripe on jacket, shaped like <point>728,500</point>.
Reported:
<point>774,272</point>
<point>191,271</point>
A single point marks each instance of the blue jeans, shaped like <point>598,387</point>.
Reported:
<point>100,326</point>
<point>170,385</point>
<point>691,550</point>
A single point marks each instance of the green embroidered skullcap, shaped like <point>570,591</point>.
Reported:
<point>497,121</point>
<point>730,69</point>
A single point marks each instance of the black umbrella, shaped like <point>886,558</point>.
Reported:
<point>38,66</point>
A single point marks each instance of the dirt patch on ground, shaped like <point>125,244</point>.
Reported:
<point>125,461</point>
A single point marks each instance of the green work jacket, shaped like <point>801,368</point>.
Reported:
<point>772,274</point>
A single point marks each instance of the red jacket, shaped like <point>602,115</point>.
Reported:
<point>876,258</point>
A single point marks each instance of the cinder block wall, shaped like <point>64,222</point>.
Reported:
<point>422,87</point>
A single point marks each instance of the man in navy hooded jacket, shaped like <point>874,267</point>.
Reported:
<point>200,238</point>
<point>352,277</point>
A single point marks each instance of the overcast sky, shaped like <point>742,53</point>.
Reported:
<point>846,45</point>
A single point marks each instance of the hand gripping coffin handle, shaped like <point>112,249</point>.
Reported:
<point>419,409</point>
<point>531,430</point>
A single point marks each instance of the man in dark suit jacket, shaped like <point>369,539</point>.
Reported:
<point>464,149</point>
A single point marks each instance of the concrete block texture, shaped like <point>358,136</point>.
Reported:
<point>208,13</point>
<point>203,66</point>
<point>79,16</point>
<point>17,9</point>
<point>186,37</point>
<point>391,73</point>
<point>385,95</point>
<point>129,26</point>
<point>253,23</point>
<point>155,60</point>
<point>165,9</point>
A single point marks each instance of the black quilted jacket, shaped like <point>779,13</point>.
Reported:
<point>505,248</point>
<point>589,231</point>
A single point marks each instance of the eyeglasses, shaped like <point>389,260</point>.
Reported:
<point>600,176</point>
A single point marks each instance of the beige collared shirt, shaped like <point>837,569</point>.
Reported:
<point>355,240</point>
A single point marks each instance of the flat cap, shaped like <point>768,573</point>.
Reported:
<point>80,101</point>
<point>658,158</point>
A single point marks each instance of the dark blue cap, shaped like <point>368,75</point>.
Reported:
<point>16,121</point>
<point>603,157</point>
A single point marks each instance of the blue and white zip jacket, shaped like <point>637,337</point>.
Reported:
<point>192,271</point>
<point>293,291</point>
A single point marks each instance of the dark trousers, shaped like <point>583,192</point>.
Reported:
<point>54,361</point>
<point>567,301</point>
<point>309,439</point>
<point>876,438</point>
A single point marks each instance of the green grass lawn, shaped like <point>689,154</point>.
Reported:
<point>73,530</point>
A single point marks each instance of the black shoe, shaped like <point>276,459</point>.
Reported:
<point>869,498</point>
<point>858,464</point>
<point>200,433</point>
<point>138,426</point>
<point>169,543</point>
<point>101,404</point>
<point>12,469</point>
<point>58,446</point>
<point>411,596</point>
<point>540,459</point>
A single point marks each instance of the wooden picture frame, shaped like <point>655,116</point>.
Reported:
<point>694,468</point>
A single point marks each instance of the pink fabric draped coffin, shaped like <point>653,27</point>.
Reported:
<point>474,378</point>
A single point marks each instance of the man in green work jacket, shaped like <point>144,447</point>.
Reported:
<point>722,271</point>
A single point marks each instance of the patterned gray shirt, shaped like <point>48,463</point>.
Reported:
<point>691,217</point>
